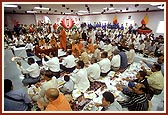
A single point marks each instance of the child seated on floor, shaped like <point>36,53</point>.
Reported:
<point>68,85</point>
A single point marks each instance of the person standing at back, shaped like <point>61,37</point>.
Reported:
<point>62,39</point>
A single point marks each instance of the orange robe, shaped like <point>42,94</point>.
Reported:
<point>75,50</point>
<point>90,48</point>
<point>60,104</point>
<point>41,42</point>
<point>55,26</point>
<point>53,43</point>
<point>63,40</point>
<point>80,45</point>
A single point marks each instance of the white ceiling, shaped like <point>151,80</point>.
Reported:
<point>57,8</point>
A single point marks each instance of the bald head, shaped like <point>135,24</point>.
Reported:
<point>52,94</point>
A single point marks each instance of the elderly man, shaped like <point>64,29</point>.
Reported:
<point>57,101</point>
<point>47,81</point>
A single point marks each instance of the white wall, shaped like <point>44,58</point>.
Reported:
<point>154,18</point>
<point>22,19</point>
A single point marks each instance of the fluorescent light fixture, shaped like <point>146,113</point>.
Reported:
<point>31,11</point>
<point>111,8</point>
<point>119,10</point>
<point>68,13</point>
<point>96,12</point>
<point>9,6</point>
<point>105,8</point>
<point>41,8</point>
<point>155,4</point>
<point>161,7</point>
<point>80,14</point>
<point>82,11</point>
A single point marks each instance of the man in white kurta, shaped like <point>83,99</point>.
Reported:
<point>52,63</point>
<point>116,61</point>
<point>79,77</point>
<point>68,63</point>
<point>105,64</point>
<point>32,73</point>
<point>93,70</point>
<point>130,54</point>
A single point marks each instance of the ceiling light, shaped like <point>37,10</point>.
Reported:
<point>68,13</point>
<point>105,8</point>
<point>117,10</point>
<point>31,11</point>
<point>155,4</point>
<point>79,14</point>
<point>96,12</point>
<point>82,11</point>
<point>41,8</point>
<point>111,8</point>
<point>161,7</point>
<point>13,6</point>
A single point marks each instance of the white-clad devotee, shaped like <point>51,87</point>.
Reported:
<point>108,47</point>
<point>19,42</point>
<point>79,77</point>
<point>116,60</point>
<point>68,63</point>
<point>130,54</point>
<point>93,70</point>
<point>52,64</point>
<point>96,53</point>
<point>105,64</point>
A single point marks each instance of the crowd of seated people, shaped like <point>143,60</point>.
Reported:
<point>88,58</point>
